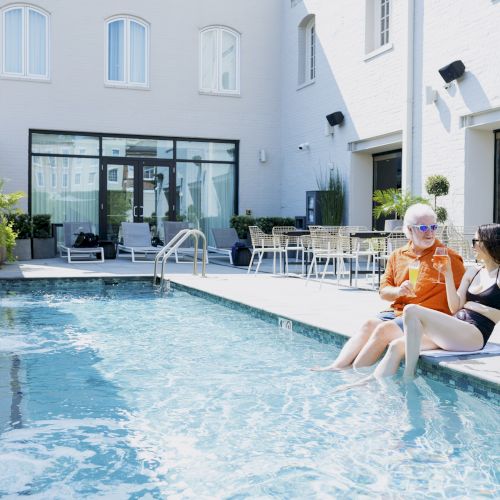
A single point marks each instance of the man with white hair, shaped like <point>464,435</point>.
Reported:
<point>366,346</point>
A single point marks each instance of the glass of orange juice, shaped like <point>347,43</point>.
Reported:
<point>413,270</point>
<point>439,261</point>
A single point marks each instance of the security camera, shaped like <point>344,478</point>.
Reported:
<point>304,145</point>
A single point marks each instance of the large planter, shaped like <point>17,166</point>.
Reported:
<point>22,250</point>
<point>44,248</point>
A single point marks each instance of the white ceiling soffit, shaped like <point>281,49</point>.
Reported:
<point>377,144</point>
<point>488,119</point>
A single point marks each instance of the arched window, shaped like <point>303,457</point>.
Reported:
<point>307,50</point>
<point>127,52</point>
<point>219,61</point>
<point>25,42</point>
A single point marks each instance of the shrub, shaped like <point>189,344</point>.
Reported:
<point>21,225</point>
<point>241,223</point>
<point>267,223</point>
<point>41,226</point>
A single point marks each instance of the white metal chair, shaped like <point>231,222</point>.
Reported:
<point>74,255</point>
<point>263,243</point>
<point>292,243</point>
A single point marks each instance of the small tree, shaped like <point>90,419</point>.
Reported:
<point>7,234</point>
<point>438,185</point>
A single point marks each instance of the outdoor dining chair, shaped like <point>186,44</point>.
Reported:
<point>263,243</point>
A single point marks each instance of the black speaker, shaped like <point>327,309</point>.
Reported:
<point>452,71</point>
<point>335,118</point>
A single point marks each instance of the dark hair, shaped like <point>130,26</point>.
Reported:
<point>489,235</point>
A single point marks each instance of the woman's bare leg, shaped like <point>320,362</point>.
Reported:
<point>352,347</point>
<point>384,333</point>
<point>446,332</point>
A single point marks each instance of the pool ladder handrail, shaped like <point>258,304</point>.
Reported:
<point>173,245</point>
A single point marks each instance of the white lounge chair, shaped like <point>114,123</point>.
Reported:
<point>224,239</point>
<point>136,241</point>
<point>86,255</point>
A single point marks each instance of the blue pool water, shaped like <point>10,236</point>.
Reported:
<point>109,390</point>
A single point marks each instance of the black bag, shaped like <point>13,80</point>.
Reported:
<point>156,242</point>
<point>86,240</point>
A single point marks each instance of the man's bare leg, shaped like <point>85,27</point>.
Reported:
<point>352,347</point>
<point>381,337</point>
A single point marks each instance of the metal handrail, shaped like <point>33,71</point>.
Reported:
<point>173,245</point>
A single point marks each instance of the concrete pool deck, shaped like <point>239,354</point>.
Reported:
<point>338,309</point>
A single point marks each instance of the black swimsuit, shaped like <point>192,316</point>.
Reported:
<point>489,297</point>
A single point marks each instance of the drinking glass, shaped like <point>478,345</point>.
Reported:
<point>413,270</point>
<point>439,261</point>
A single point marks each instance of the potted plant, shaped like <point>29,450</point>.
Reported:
<point>22,226</point>
<point>393,202</point>
<point>43,240</point>
<point>438,185</point>
<point>7,234</point>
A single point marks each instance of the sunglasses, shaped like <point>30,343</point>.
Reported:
<point>474,241</point>
<point>424,228</point>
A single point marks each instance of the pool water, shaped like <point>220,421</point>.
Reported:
<point>111,390</point>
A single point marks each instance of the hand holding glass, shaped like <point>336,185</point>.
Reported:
<point>413,270</point>
<point>439,261</point>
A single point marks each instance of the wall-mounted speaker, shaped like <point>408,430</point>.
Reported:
<point>335,118</point>
<point>452,71</point>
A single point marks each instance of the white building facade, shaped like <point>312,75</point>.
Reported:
<point>195,110</point>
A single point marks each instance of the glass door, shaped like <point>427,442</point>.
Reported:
<point>386,174</point>
<point>136,190</point>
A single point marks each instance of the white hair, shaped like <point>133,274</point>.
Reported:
<point>414,213</point>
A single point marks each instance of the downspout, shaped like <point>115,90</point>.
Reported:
<point>407,155</point>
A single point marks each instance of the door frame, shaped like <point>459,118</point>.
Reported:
<point>139,164</point>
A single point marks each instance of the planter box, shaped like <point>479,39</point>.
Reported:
<point>44,248</point>
<point>22,250</point>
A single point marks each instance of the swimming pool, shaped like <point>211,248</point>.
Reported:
<point>110,389</point>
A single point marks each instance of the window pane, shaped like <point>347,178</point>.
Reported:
<point>65,200</point>
<point>209,60</point>
<point>127,146</point>
<point>228,61</point>
<point>64,144</point>
<point>137,53</point>
<point>37,43</point>
<point>13,40</point>
<point>211,151</point>
<point>116,46</point>
<point>205,195</point>
<point>496,216</point>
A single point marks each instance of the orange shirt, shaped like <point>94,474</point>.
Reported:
<point>428,294</point>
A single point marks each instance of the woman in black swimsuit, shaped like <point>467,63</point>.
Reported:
<point>476,308</point>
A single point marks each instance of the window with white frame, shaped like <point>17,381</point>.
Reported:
<point>219,61</point>
<point>307,50</point>
<point>113,175</point>
<point>377,33</point>
<point>25,42</point>
<point>127,52</point>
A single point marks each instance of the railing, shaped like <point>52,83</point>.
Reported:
<point>173,245</point>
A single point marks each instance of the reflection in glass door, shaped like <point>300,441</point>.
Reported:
<point>136,191</point>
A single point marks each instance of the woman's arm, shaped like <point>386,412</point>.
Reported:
<point>456,298</point>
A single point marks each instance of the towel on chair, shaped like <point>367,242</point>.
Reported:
<point>489,348</point>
